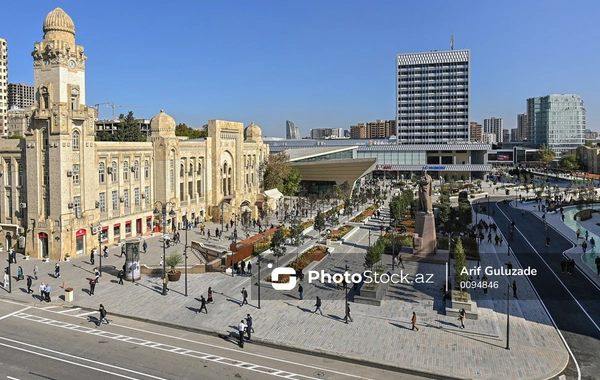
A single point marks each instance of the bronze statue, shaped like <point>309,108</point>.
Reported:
<point>425,192</point>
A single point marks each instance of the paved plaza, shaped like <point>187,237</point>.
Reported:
<point>377,334</point>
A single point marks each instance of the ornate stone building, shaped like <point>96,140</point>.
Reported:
<point>62,191</point>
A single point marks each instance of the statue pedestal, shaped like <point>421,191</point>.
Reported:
<point>425,236</point>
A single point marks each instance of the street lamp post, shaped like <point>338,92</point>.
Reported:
<point>185,256</point>
<point>163,212</point>
<point>487,198</point>
<point>508,315</point>
<point>346,299</point>
<point>258,261</point>
<point>8,270</point>
<point>100,248</point>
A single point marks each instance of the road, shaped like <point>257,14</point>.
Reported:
<point>57,343</point>
<point>572,300</point>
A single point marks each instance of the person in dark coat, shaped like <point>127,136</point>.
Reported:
<point>29,283</point>
<point>202,305</point>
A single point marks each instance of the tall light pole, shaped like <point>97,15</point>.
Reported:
<point>100,248</point>
<point>258,261</point>
<point>185,256</point>
<point>163,211</point>
<point>508,315</point>
<point>346,299</point>
<point>8,268</point>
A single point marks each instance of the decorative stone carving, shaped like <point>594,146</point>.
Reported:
<point>425,192</point>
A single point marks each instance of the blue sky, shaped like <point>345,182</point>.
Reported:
<point>320,64</point>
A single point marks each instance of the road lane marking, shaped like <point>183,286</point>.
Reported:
<point>68,310</point>
<point>70,361</point>
<point>168,348</point>
<point>236,352</point>
<point>544,305</point>
<point>15,312</point>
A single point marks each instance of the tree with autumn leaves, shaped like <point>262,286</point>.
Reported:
<point>279,174</point>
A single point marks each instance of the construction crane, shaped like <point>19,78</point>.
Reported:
<point>113,106</point>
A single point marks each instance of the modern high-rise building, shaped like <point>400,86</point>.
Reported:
<point>20,95</point>
<point>505,135</point>
<point>513,134</point>
<point>326,133</point>
<point>432,102</point>
<point>3,86</point>
<point>291,131</point>
<point>494,125</point>
<point>373,130</point>
<point>476,132</point>
<point>522,127</point>
<point>557,121</point>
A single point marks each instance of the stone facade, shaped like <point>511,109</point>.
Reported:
<point>61,188</point>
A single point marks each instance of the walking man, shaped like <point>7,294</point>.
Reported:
<point>202,305</point>
<point>29,283</point>
<point>301,291</point>
<point>461,318</point>
<point>92,257</point>
<point>584,246</point>
<point>244,297</point>
<point>35,271</point>
<point>56,270</point>
<point>318,306</point>
<point>249,268</point>
<point>48,290</point>
<point>145,246</point>
<point>241,330</point>
<point>102,311</point>
<point>249,328</point>
<point>593,243</point>
<point>42,291</point>
<point>547,240</point>
<point>120,276</point>
<point>413,320</point>
<point>597,261</point>
<point>348,312</point>
<point>514,286</point>
<point>92,286</point>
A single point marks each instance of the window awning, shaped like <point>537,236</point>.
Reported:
<point>117,225</point>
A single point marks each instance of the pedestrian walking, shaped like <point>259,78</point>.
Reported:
<point>92,286</point>
<point>208,235</point>
<point>103,313</point>
<point>249,268</point>
<point>120,275</point>
<point>547,241</point>
<point>593,243</point>
<point>20,273</point>
<point>244,297</point>
<point>56,270</point>
<point>400,261</point>
<point>597,261</point>
<point>587,234</point>
<point>35,271</point>
<point>562,217</point>
<point>318,306</point>
<point>202,305</point>
<point>301,291</point>
<point>348,312</point>
<point>484,283</point>
<point>210,295</point>
<point>241,330</point>
<point>578,233</point>
<point>47,291</point>
<point>92,257</point>
<point>413,321</point>
<point>105,251</point>
<point>514,288</point>
<point>29,283</point>
<point>584,246</point>
<point>563,266</point>
<point>461,317</point>
<point>42,291</point>
<point>249,322</point>
<point>145,246</point>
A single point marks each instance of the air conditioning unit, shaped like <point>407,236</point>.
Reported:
<point>69,174</point>
<point>70,205</point>
<point>23,205</point>
<point>109,170</point>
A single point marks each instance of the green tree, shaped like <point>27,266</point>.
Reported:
<point>319,222</point>
<point>460,263</point>
<point>546,154</point>
<point>16,137</point>
<point>129,129</point>
<point>373,255</point>
<point>570,162</point>
<point>192,133</point>
<point>296,235</point>
<point>277,241</point>
<point>279,174</point>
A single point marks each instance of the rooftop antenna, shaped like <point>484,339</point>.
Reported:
<point>451,42</point>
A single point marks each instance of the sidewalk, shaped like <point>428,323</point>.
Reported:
<point>378,334</point>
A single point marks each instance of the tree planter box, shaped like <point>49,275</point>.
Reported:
<point>174,276</point>
<point>369,295</point>
<point>462,300</point>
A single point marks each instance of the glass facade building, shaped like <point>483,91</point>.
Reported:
<point>433,97</point>
<point>557,121</point>
<point>291,131</point>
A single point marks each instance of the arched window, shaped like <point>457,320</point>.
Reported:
<point>181,170</point>
<point>146,169</point>
<point>136,169</point>
<point>102,172</point>
<point>75,140</point>
<point>114,171</point>
<point>125,170</point>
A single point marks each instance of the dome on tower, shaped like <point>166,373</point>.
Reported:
<point>59,21</point>
<point>253,133</point>
<point>162,123</point>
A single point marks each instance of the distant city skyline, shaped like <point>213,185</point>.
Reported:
<point>322,73</point>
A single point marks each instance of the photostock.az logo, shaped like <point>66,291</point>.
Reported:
<point>285,286</point>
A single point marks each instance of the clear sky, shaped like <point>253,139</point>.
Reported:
<point>318,63</point>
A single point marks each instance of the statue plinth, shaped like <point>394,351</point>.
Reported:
<point>425,237</point>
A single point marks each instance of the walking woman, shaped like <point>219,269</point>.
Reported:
<point>210,297</point>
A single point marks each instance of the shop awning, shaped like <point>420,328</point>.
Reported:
<point>117,225</point>
<point>81,232</point>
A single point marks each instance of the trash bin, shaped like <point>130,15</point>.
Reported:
<point>578,218</point>
<point>69,295</point>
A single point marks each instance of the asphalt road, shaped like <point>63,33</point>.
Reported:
<point>572,300</point>
<point>65,344</point>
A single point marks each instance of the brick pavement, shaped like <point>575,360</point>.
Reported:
<point>378,334</point>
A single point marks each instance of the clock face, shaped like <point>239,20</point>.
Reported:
<point>72,64</point>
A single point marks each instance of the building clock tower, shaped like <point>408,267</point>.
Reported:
<point>60,149</point>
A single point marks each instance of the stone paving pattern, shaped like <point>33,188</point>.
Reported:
<point>377,334</point>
